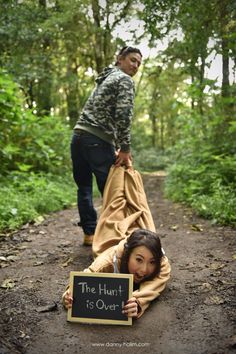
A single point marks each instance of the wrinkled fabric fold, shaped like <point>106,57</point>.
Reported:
<point>124,209</point>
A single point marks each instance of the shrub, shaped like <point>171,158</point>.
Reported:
<point>150,160</point>
<point>26,196</point>
<point>206,182</point>
<point>28,142</point>
<point>220,206</point>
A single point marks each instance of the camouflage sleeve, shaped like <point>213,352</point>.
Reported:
<point>124,112</point>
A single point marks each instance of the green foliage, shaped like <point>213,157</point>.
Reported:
<point>150,159</point>
<point>158,16</point>
<point>44,46</point>
<point>34,159</point>
<point>48,47</point>
<point>217,203</point>
<point>220,205</point>
<point>141,134</point>
<point>28,142</point>
<point>24,197</point>
<point>204,174</point>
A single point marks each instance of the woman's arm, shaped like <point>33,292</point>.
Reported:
<point>102,264</point>
<point>150,290</point>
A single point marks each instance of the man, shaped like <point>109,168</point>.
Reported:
<point>102,134</point>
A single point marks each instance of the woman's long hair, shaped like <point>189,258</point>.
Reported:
<point>147,238</point>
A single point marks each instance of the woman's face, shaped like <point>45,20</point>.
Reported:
<point>141,263</point>
<point>130,63</point>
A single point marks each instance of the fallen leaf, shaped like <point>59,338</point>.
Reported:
<point>216,266</point>
<point>38,220</point>
<point>12,258</point>
<point>8,284</point>
<point>39,281</point>
<point>196,227</point>
<point>214,300</point>
<point>69,261</point>
<point>210,255</point>
<point>4,265</point>
<point>234,256</point>
<point>2,258</point>
<point>205,287</point>
<point>25,226</point>
<point>23,334</point>
<point>22,247</point>
<point>174,227</point>
<point>36,264</point>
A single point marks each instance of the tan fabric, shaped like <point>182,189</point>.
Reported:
<point>124,209</point>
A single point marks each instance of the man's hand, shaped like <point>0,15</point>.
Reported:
<point>123,159</point>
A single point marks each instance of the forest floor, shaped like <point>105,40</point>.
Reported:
<point>194,315</point>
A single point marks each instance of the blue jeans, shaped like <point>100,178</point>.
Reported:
<point>90,155</point>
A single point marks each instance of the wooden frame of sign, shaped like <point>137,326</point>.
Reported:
<point>99,297</point>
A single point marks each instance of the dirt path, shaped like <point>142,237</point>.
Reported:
<point>194,315</point>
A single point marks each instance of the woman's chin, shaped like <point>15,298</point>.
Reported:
<point>138,280</point>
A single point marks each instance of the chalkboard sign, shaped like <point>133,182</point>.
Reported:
<point>99,297</point>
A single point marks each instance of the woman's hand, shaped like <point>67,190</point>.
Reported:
<point>131,308</point>
<point>67,299</point>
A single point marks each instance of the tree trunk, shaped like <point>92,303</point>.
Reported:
<point>162,134</point>
<point>225,68</point>
<point>154,130</point>
<point>103,47</point>
<point>72,91</point>
<point>202,86</point>
<point>98,37</point>
<point>109,49</point>
<point>224,18</point>
<point>30,95</point>
<point>44,89</point>
<point>192,98</point>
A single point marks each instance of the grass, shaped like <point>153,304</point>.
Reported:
<point>26,197</point>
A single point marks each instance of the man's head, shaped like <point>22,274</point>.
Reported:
<point>129,60</point>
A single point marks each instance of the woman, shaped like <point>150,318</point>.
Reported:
<point>125,241</point>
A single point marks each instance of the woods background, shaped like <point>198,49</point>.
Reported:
<point>184,122</point>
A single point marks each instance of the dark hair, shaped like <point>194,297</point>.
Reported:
<point>127,50</point>
<point>147,238</point>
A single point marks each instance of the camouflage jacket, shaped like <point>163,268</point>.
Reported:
<point>109,109</point>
